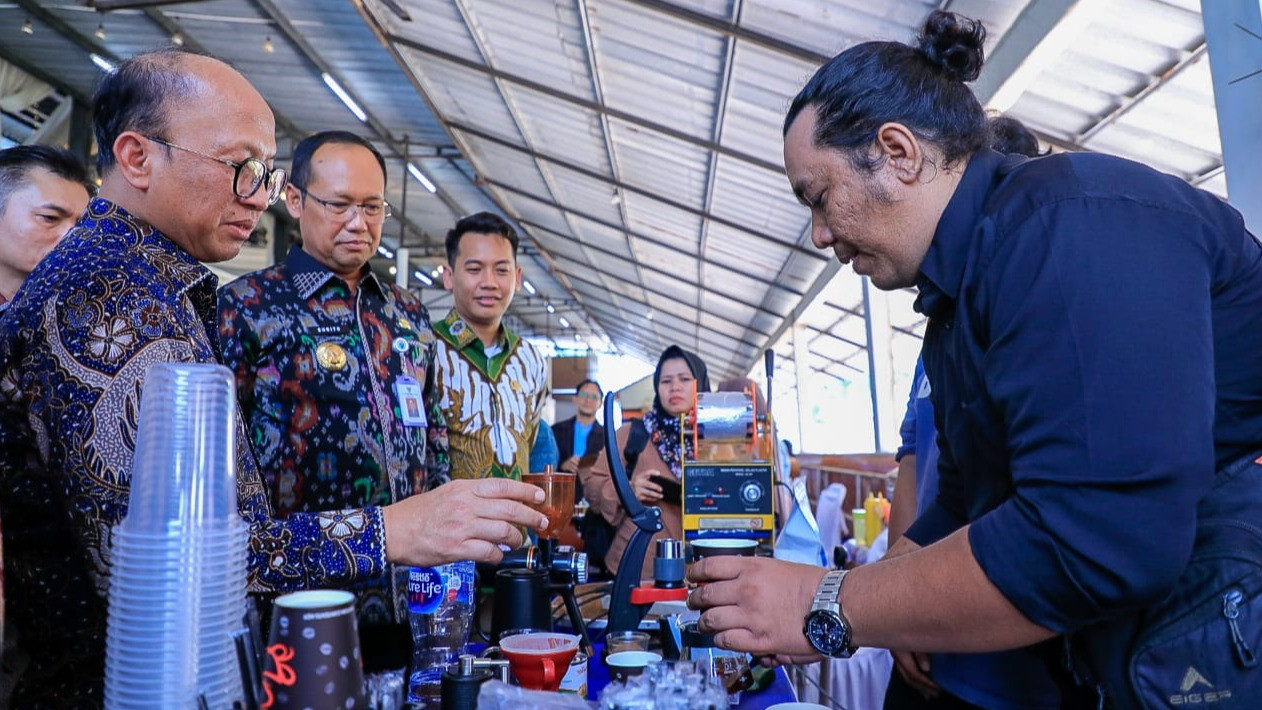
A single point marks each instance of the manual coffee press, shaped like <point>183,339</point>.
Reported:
<point>630,600</point>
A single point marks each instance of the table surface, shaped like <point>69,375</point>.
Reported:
<point>780,690</point>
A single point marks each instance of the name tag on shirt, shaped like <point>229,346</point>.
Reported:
<point>411,408</point>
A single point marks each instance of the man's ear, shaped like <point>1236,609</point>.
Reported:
<point>134,156</point>
<point>447,278</point>
<point>903,151</point>
<point>293,201</point>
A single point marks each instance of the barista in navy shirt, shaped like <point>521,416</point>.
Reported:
<point>1094,337</point>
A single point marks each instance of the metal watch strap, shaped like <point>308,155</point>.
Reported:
<point>828,592</point>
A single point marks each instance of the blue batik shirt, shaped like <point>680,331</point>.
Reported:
<point>113,298</point>
<point>319,374</point>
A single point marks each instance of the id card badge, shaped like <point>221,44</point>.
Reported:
<point>411,408</point>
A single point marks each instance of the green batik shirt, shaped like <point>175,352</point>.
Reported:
<point>492,405</point>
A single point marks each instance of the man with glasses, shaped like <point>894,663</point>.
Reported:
<point>581,436</point>
<point>334,367</point>
<point>185,143</point>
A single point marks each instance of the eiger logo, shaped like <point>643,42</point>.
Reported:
<point>1192,680</point>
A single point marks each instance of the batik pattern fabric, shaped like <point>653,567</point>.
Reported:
<point>664,431</point>
<point>316,368</point>
<point>113,298</point>
<point>492,406</point>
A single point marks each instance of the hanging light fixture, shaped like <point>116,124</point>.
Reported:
<point>100,32</point>
<point>268,47</point>
<point>177,39</point>
<point>27,27</point>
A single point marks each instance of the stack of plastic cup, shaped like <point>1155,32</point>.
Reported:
<point>178,567</point>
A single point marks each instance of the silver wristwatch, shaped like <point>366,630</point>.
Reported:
<point>825,626</point>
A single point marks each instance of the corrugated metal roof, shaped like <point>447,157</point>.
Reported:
<point>638,142</point>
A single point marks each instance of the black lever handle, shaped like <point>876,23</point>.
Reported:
<point>769,365</point>
<point>624,616</point>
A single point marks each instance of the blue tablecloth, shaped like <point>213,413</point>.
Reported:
<point>780,690</point>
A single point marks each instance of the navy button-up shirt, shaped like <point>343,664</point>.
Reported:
<point>1095,349</point>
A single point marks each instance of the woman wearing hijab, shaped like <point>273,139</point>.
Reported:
<point>678,377</point>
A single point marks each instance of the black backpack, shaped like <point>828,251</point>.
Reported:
<point>1198,646</point>
<point>596,532</point>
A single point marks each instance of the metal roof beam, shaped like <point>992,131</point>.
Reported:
<point>663,272</point>
<point>296,38</point>
<point>509,104</point>
<point>704,214</point>
<point>374,25</point>
<point>1129,102</point>
<point>720,113</point>
<point>648,342</point>
<point>172,26</point>
<point>670,297</point>
<point>825,276</point>
<point>1206,176</point>
<point>44,76</point>
<point>107,5</point>
<point>674,298</point>
<point>588,104</point>
<point>608,225</point>
<point>734,29</point>
<point>718,346</point>
<point>859,314</point>
<point>598,90</point>
<point>1035,21</point>
<point>602,288</point>
<point>64,29</point>
<point>714,265</point>
<point>603,309</point>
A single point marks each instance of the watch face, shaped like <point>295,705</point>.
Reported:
<point>826,633</point>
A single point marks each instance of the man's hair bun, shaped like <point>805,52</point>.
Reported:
<point>953,44</point>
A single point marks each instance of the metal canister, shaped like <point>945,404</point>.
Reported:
<point>575,680</point>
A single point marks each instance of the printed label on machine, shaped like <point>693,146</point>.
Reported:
<point>728,497</point>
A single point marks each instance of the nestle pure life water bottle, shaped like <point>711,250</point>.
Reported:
<point>440,607</point>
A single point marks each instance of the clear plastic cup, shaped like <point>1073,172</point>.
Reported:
<point>184,469</point>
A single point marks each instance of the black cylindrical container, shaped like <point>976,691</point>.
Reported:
<point>522,601</point>
<point>462,683</point>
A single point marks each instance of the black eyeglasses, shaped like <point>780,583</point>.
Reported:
<point>250,175</point>
<point>341,211</point>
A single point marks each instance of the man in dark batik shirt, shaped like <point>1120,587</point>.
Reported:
<point>185,147</point>
<point>334,366</point>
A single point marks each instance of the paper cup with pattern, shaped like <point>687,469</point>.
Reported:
<point>313,658</point>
